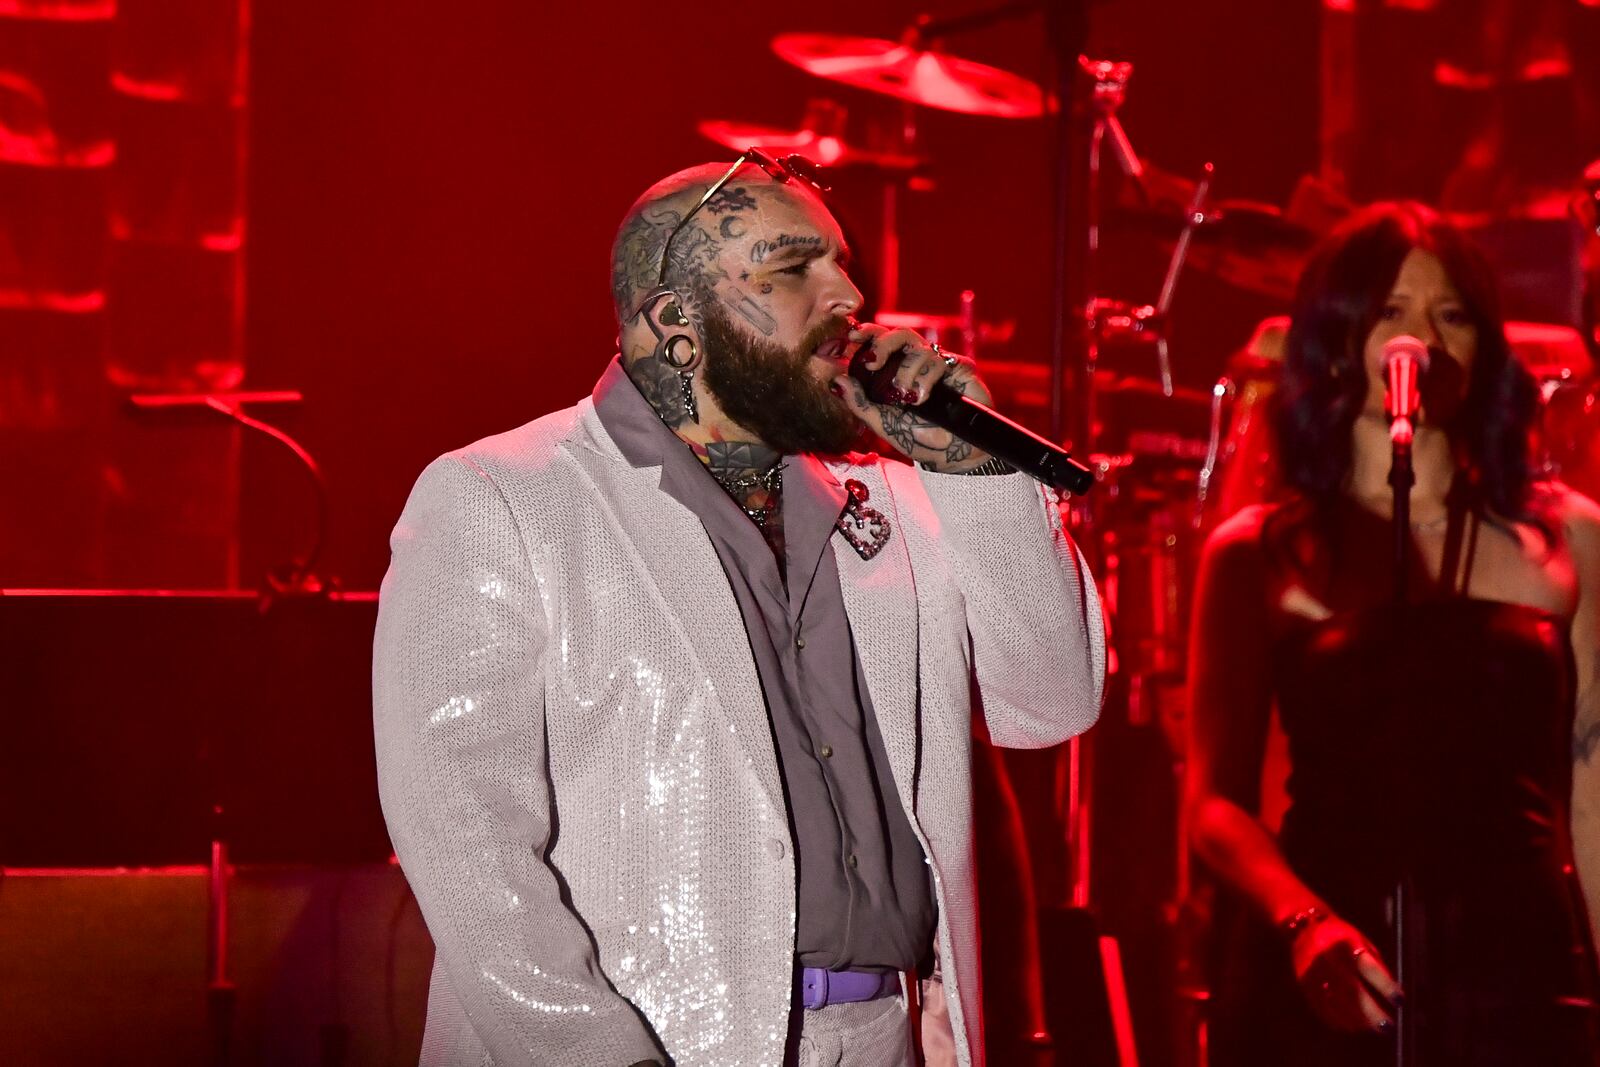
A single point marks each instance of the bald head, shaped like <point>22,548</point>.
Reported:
<point>694,261</point>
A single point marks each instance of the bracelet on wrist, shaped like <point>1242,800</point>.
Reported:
<point>1311,916</point>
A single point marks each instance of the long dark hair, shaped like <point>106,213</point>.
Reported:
<point>1339,300</point>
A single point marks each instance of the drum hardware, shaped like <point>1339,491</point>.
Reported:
<point>1108,87</point>
<point>964,329</point>
<point>1248,244</point>
<point>1208,466</point>
<point>1166,445</point>
<point>1239,468</point>
<point>1109,90</point>
<point>1566,432</point>
<point>1169,284</point>
<point>1109,321</point>
<point>1550,352</point>
<point>1148,518</point>
<point>1119,322</point>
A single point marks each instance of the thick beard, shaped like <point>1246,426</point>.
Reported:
<point>769,390</point>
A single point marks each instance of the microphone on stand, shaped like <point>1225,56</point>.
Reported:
<point>1405,360</point>
<point>981,426</point>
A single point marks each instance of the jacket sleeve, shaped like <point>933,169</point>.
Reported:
<point>458,702</point>
<point>1033,613</point>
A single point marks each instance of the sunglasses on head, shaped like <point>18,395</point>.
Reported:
<point>783,169</point>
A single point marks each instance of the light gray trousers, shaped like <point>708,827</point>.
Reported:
<point>873,1033</point>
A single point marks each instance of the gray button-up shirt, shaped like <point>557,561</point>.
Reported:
<point>865,897</point>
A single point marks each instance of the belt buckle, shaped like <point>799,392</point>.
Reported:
<point>814,987</point>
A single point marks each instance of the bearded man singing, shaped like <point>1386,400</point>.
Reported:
<point>673,690</point>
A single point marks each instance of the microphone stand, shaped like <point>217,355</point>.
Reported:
<point>299,576</point>
<point>1401,478</point>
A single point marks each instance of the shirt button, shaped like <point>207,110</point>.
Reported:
<point>827,751</point>
<point>852,859</point>
<point>775,848</point>
<point>799,642</point>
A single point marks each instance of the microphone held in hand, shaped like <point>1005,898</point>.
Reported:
<point>979,425</point>
<point>1405,360</point>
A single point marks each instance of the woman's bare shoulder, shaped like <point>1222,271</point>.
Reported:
<point>1242,532</point>
<point>1576,515</point>
<point>1238,548</point>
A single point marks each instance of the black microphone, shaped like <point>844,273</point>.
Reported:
<point>979,425</point>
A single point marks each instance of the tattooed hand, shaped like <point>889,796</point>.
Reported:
<point>899,424</point>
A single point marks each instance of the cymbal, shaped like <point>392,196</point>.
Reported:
<point>932,79</point>
<point>822,148</point>
<point>1552,353</point>
<point>1248,245</point>
<point>1243,224</point>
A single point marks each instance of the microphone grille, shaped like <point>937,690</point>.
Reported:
<point>1405,346</point>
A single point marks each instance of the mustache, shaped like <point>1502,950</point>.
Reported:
<point>830,330</point>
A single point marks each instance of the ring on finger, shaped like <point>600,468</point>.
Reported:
<point>1357,952</point>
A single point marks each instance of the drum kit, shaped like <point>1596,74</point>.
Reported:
<point>1172,460</point>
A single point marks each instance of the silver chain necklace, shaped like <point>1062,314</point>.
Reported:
<point>770,479</point>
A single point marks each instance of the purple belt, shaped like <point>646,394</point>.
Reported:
<point>819,988</point>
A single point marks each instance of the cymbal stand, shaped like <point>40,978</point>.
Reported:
<point>904,141</point>
<point>1118,320</point>
<point>1169,285</point>
<point>1107,321</point>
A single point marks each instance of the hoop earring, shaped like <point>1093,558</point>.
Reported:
<point>665,352</point>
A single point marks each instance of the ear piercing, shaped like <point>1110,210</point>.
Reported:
<point>668,350</point>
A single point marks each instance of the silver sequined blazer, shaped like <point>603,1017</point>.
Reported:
<point>575,760</point>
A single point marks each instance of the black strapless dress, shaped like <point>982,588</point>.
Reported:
<point>1428,744</point>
